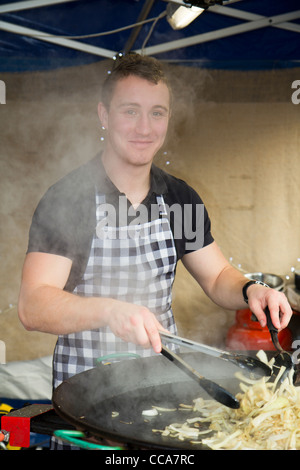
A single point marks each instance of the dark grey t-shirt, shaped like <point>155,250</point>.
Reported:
<point>65,219</point>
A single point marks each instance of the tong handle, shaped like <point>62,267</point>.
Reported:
<point>191,344</point>
<point>270,325</point>
<point>250,363</point>
<point>272,329</point>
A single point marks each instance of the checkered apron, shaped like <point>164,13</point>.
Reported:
<point>133,263</point>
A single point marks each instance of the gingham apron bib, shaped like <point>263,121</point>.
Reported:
<point>130,263</point>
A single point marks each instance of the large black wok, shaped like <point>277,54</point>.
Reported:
<point>88,399</point>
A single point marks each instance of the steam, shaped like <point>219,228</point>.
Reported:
<point>187,88</point>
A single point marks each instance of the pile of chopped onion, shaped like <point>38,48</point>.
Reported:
<point>268,418</point>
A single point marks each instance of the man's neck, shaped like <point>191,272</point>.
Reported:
<point>132,180</point>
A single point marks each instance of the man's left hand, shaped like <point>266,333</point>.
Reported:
<point>260,297</point>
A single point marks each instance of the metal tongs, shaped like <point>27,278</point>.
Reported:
<point>283,358</point>
<point>214,390</point>
<point>246,362</point>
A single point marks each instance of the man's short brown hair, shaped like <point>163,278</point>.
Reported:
<point>137,65</point>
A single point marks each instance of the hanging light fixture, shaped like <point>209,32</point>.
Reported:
<point>181,13</point>
<point>180,17</point>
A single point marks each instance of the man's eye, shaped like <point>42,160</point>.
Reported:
<point>131,112</point>
<point>159,114</point>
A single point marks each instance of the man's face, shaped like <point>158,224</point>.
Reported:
<point>136,121</point>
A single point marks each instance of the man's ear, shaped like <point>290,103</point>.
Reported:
<point>103,115</point>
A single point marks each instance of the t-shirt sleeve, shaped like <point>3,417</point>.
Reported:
<point>196,224</point>
<point>64,220</point>
<point>50,230</point>
<point>189,219</point>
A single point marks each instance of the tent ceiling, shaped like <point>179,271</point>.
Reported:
<point>41,34</point>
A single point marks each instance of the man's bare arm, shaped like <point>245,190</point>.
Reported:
<point>45,306</point>
<point>223,284</point>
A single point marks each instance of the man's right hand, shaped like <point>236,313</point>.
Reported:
<point>136,324</point>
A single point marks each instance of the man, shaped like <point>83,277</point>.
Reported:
<point>99,276</point>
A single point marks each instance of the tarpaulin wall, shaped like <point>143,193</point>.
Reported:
<point>234,137</point>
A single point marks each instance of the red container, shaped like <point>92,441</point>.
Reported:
<point>247,334</point>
